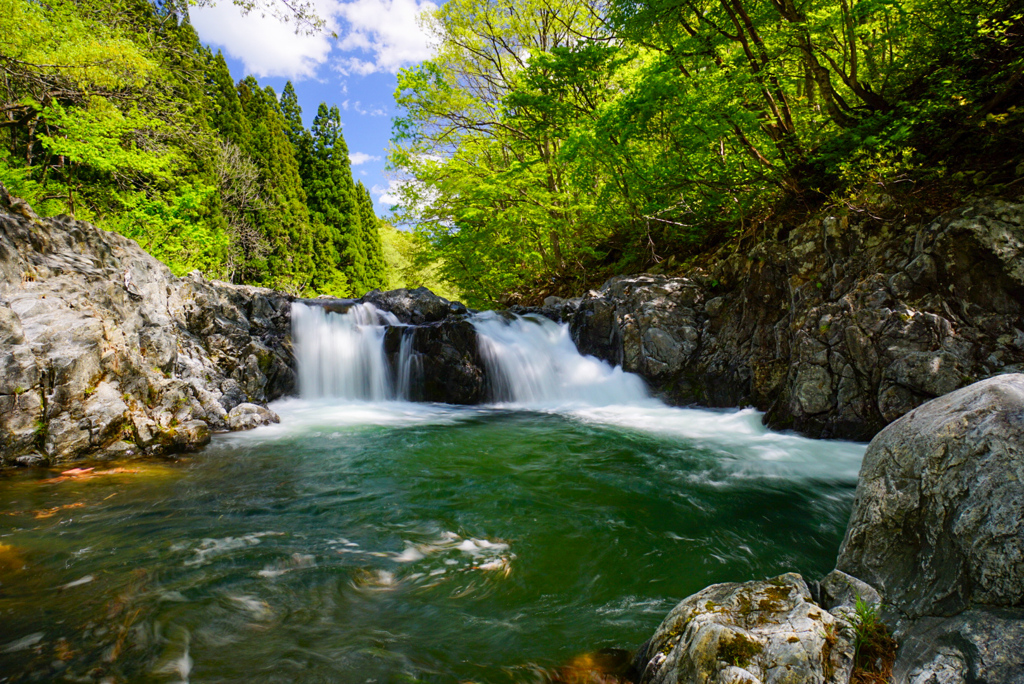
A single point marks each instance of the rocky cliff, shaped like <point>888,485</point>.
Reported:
<point>835,328</point>
<point>103,351</point>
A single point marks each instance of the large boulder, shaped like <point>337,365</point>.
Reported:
<point>767,631</point>
<point>937,522</point>
<point>101,343</point>
<point>938,527</point>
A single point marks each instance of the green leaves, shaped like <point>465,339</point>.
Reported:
<point>106,139</point>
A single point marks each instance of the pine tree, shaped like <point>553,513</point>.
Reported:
<point>377,267</point>
<point>301,140</point>
<point>332,200</point>
<point>285,221</point>
<point>226,113</point>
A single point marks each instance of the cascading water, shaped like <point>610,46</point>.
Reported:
<point>341,355</point>
<point>410,366</point>
<point>532,360</point>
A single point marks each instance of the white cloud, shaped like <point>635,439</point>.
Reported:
<point>373,36</point>
<point>389,30</point>
<point>267,46</point>
<point>389,195</point>
<point>357,158</point>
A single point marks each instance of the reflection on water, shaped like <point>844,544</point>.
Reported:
<point>406,542</point>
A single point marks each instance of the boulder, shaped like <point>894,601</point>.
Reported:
<point>248,416</point>
<point>100,342</point>
<point>936,522</point>
<point>767,631</point>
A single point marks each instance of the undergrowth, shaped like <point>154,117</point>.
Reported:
<point>874,647</point>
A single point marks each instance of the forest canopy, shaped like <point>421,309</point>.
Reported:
<point>550,143</point>
<point>112,111</point>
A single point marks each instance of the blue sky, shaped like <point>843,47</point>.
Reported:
<point>356,71</point>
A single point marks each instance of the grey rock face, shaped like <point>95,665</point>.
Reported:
<point>937,522</point>
<point>449,368</point>
<point>758,632</point>
<point>100,343</point>
<point>980,646</point>
<point>834,329</point>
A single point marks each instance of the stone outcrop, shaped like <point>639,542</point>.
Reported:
<point>767,631</point>
<point>104,351</point>
<point>938,517</point>
<point>834,328</point>
<point>937,526</point>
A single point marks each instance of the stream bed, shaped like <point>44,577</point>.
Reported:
<point>396,542</point>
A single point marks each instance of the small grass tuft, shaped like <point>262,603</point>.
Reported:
<point>874,647</point>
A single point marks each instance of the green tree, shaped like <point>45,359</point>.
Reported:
<point>333,201</point>
<point>284,221</point>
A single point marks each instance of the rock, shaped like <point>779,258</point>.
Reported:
<point>249,416</point>
<point>980,646</point>
<point>835,331</point>
<point>450,368</point>
<point>414,307</point>
<point>839,590</point>
<point>191,435</point>
<point>765,631</point>
<point>936,522</point>
<point>100,342</point>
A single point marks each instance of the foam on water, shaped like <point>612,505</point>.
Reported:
<point>533,366</point>
<point>533,362</point>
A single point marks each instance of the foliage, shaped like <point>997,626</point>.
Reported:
<point>409,265</point>
<point>112,111</point>
<point>874,647</point>
<point>557,142</point>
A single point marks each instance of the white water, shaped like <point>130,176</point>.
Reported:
<point>346,384</point>
<point>533,362</point>
<point>342,355</point>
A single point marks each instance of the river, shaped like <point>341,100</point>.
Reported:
<point>370,539</point>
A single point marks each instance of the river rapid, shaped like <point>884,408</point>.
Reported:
<point>370,539</point>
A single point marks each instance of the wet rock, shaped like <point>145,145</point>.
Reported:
<point>980,646</point>
<point>936,523</point>
<point>415,307</point>
<point>249,416</point>
<point>763,631</point>
<point>450,368</point>
<point>191,435</point>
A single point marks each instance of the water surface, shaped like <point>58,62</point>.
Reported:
<point>398,542</point>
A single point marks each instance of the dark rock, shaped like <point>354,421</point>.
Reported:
<point>450,367</point>
<point>835,331</point>
<point>414,307</point>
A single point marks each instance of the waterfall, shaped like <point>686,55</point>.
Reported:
<point>533,360</point>
<point>410,366</point>
<point>529,360</point>
<point>341,355</point>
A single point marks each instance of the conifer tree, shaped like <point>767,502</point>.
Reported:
<point>285,223</point>
<point>377,275</point>
<point>301,140</point>
<point>332,199</point>
<point>226,112</point>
